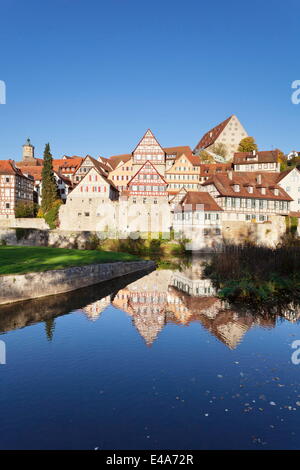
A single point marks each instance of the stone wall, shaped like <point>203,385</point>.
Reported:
<point>37,223</point>
<point>17,287</point>
<point>267,234</point>
<point>55,238</point>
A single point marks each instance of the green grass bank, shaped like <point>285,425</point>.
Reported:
<point>25,259</point>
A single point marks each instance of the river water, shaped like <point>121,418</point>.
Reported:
<point>149,361</point>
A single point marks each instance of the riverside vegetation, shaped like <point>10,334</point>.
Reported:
<point>256,275</point>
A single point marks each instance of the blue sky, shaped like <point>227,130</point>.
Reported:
<point>91,76</point>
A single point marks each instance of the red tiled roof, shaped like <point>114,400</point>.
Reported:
<point>35,171</point>
<point>210,137</point>
<point>224,185</point>
<point>8,167</point>
<point>116,159</point>
<point>186,149</point>
<point>266,156</point>
<point>194,198</point>
<point>209,169</point>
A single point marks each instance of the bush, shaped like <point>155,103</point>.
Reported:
<point>24,210</point>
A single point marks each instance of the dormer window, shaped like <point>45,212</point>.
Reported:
<point>263,190</point>
<point>276,191</point>
<point>236,188</point>
<point>250,189</point>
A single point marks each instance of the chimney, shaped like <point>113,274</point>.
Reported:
<point>230,174</point>
<point>254,152</point>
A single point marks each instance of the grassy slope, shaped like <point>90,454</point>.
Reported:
<point>23,259</point>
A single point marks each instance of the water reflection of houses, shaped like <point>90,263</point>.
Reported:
<point>183,297</point>
<point>94,310</point>
<point>191,281</point>
<point>146,302</point>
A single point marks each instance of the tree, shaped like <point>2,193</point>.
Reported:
<point>247,144</point>
<point>24,209</point>
<point>49,188</point>
<point>219,149</point>
<point>206,157</point>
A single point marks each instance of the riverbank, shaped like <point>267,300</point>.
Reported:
<point>63,270</point>
<point>256,276</point>
<point>18,287</point>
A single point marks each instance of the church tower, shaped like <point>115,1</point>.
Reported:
<point>28,153</point>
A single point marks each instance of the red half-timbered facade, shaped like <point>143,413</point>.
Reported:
<point>147,182</point>
<point>148,149</point>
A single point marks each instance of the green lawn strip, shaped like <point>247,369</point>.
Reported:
<point>25,259</point>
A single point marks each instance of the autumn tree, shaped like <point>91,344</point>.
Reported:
<point>247,144</point>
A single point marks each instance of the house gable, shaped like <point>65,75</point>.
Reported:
<point>148,149</point>
<point>147,182</point>
<point>93,184</point>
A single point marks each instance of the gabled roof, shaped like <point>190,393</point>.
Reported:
<point>140,170</point>
<point>148,133</point>
<point>193,159</point>
<point>99,165</point>
<point>283,174</point>
<point>104,176</point>
<point>266,156</point>
<point>225,185</point>
<point>210,137</point>
<point>194,199</point>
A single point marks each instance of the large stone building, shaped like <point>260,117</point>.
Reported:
<point>229,133</point>
<point>15,187</point>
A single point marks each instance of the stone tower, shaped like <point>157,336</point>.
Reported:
<point>28,153</point>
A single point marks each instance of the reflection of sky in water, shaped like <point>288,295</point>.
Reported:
<point>212,378</point>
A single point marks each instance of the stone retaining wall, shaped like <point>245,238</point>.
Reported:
<point>16,287</point>
<point>22,222</point>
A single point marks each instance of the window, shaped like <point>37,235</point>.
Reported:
<point>7,180</point>
<point>87,214</point>
<point>7,205</point>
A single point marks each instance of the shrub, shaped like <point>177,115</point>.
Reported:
<point>24,209</point>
